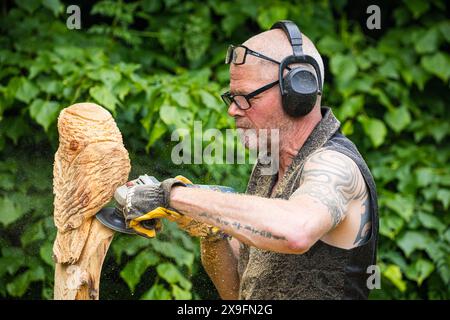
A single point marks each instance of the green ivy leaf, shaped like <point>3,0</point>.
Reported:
<point>391,225</point>
<point>46,253</point>
<point>398,119</point>
<point>134,269</point>
<point>7,181</point>
<point>128,245</point>
<point>413,240</point>
<point>419,270</point>
<point>440,253</point>
<point>29,5</point>
<point>122,89</point>
<point>444,196</point>
<point>104,97</point>
<point>157,292</point>
<point>231,22</point>
<point>65,68</point>
<point>9,211</point>
<point>44,112</point>
<point>425,176</point>
<point>429,42</point>
<point>182,98</point>
<point>180,294</point>
<point>431,222</point>
<point>394,274</point>
<point>437,64</point>
<point>26,90</point>
<point>402,205</point>
<point>54,5</point>
<point>15,128</point>
<point>417,7</point>
<point>109,77</point>
<point>181,118</point>
<point>343,67</point>
<point>444,27</point>
<point>33,233</point>
<point>330,45</point>
<point>375,129</point>
<point>20,284</point>
<point>347,128</point>
<point>351,107</point>
<point>11,260</point>
<point>211,101</point>
<point>158,130</point>
<point>197,36</point>
<point>268,15</point>
<point>50,86</point>
<point>389,69</point>
<point>172,250</point>
<point>172,275</point>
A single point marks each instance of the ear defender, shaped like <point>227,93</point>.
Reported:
<point>299,87</point>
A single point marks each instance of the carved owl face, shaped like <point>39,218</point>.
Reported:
<point>82,124</point>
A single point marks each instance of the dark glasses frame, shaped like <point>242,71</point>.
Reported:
<point>229,98</point>
<point>231,56</point>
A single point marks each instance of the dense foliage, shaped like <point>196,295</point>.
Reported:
<point>158,65</point>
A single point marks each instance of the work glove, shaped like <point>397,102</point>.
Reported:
<point>144,206</point>
<point>144,201</point>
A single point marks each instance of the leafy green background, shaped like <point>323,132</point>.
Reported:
<point>158,65</point>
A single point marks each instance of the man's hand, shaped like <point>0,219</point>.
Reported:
<point>143,205</point>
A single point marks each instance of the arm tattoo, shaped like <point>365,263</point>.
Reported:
<point>238,226</point>
<point>333,180</point>
<point>365,223</point>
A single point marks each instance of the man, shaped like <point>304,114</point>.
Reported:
<point>307,232</point>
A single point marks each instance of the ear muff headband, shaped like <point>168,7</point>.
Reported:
<point>299,87</point>
<point>293,33</point>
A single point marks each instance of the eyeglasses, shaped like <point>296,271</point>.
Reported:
<point>238,54</point>
<point>243,100</point>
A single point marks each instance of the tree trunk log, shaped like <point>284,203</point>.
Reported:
<point>91,162</point>
<point>81,281</point>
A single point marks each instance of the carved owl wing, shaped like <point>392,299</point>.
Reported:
<point>85,180</point>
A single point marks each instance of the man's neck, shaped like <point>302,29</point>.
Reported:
<point>293,139</point>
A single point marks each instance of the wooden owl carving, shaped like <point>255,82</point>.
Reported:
<point>90,163</point>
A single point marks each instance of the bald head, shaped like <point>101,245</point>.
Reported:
<point>275,44</point>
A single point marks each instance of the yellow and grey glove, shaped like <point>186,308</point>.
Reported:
<point>144,204</point>
<point>145,201</point>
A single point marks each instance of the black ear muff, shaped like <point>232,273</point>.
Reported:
<point>299,87</point>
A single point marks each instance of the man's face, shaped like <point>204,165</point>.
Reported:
<point>265,111</point>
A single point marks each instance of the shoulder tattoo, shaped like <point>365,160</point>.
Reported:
<point>334,180</point>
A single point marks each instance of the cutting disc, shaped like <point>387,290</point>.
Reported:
<point>111,218</point>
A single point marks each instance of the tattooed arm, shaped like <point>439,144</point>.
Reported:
<point>331,183</point>
<point>334,182</point>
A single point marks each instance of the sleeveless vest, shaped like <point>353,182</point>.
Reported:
<point>324,271</point>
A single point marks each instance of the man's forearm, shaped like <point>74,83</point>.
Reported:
<point>221,266</point>
<point>250,219</point>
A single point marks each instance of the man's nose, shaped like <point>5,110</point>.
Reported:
<point>234,111</point>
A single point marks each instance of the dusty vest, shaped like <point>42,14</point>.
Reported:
<point>325,271</point>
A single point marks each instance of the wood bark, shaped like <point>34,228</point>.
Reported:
<point>90,163</point>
